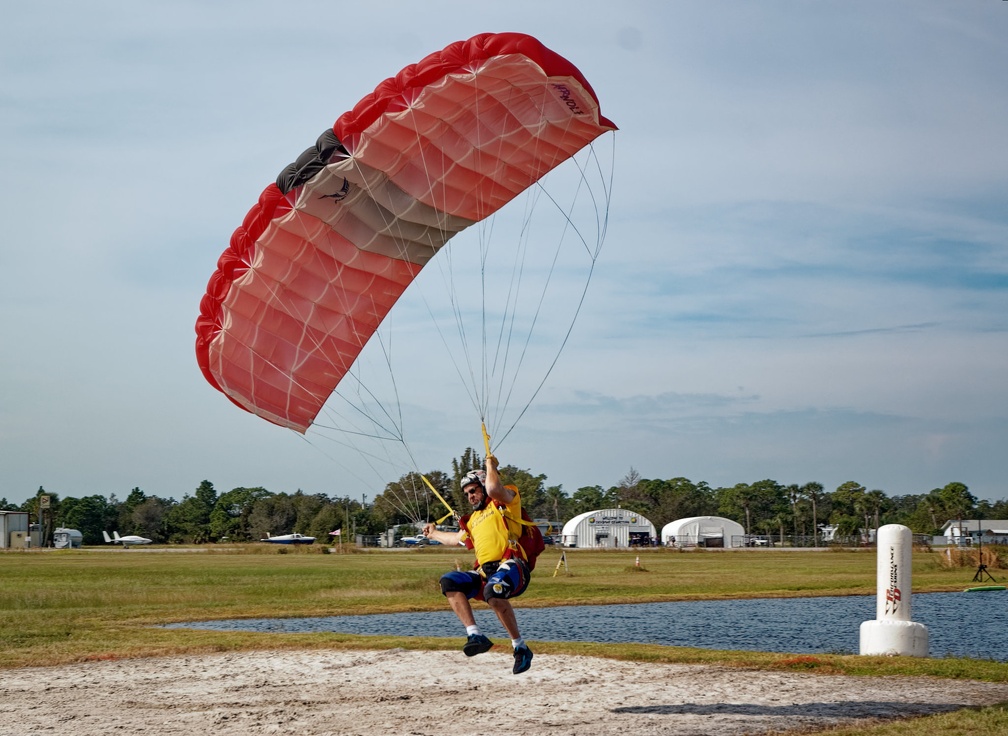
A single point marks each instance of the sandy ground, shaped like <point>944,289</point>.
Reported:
<point>407,692</point>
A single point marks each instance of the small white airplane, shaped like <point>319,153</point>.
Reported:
<point>127,540</point>
<point>294,538</point>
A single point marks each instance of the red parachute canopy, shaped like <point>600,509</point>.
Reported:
<point>328,249</point>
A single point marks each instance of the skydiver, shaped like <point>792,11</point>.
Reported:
<point>501,572</point>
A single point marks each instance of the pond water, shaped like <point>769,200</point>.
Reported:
<point>959,624</point>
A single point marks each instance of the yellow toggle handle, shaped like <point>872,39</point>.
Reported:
<point>486,439</point>
<point>451,511</point>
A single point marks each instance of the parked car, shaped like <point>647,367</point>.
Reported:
<point>418,541</point>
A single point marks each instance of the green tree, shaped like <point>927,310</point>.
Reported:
<point>558,506</point>
<point>815,493</point>
<point>845,500</point>
<point>189,520</point>
<point>794,495</point>
<point>997,510</point>
<point>909,511</point>
<point>848,512</point>
<point>127,507</point>
<point>592,498</point>
<point>149,519</point>
<point>308,506</point>
<point>328,518</point>
<point>771,501</point>
<point>90,516</point>
<point>229,518</point>
<point>736,503</point>
<point>663,501</point>
<point>753,503</point>
<point>934,506</point>
<point>957,501</point>
<point>272,515</point>
<point>368,522</point>
<point>876,504</point>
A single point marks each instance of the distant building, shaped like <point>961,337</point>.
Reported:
<point>963,532</point>
<point>608,528</point>
<point>14,529</point>
<point>828,532</point>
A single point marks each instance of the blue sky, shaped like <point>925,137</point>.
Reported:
<point>805,276</point>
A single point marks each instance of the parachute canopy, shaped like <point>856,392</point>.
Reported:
<point>323,256</point>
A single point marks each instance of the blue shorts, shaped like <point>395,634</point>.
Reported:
<point>505,580</point>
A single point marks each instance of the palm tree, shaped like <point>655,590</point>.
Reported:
<point>876,500</point>
<point>740,496</point>
<point>793,494</point>
<point>813,492</point>
<point>862,507</point>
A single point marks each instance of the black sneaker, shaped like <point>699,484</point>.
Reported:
<point>476,644</point>
<point>523,659</point>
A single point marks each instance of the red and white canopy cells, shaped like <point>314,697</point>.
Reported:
<point>326,252</point>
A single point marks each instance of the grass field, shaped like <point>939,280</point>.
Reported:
<point>61,606</point>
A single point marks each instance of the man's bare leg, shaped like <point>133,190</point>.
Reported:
<point>505,612</point>
<point>460,605</point>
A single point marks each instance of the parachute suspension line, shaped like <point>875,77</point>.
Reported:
<point>475,385</point>
<point>493,389</point>
<point>593,252</point>
<point>607,187</point>
<point>363,481</point>
<point>413,502</point>
<point>556,357</point>
<point>447,269</point>
<point>504,398</point>
<point>484,230</point>
<point>531,328</point>
<point>506,331</point>
<point>491,363</point>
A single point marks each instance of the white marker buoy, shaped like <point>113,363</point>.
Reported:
<point>893,632</point>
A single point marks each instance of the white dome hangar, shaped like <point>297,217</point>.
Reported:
<point>703,531</point>
<point>608,528</point>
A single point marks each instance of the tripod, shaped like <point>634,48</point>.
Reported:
<point>982,569</point>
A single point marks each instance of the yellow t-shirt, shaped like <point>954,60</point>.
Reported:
<point>490,539</point>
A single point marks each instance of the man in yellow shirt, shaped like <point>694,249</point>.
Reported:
<point>502,573</point>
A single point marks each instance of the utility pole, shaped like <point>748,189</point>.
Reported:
<point>43,511</point>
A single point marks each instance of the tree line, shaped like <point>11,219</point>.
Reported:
<point>764,507</point>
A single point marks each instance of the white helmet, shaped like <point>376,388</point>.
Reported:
<point>474,476</point>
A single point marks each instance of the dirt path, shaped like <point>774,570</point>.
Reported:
<point>312,693</point>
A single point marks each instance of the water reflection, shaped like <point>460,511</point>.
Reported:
<point>959,624</point>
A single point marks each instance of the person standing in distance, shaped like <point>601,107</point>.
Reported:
<point>501,571</point>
